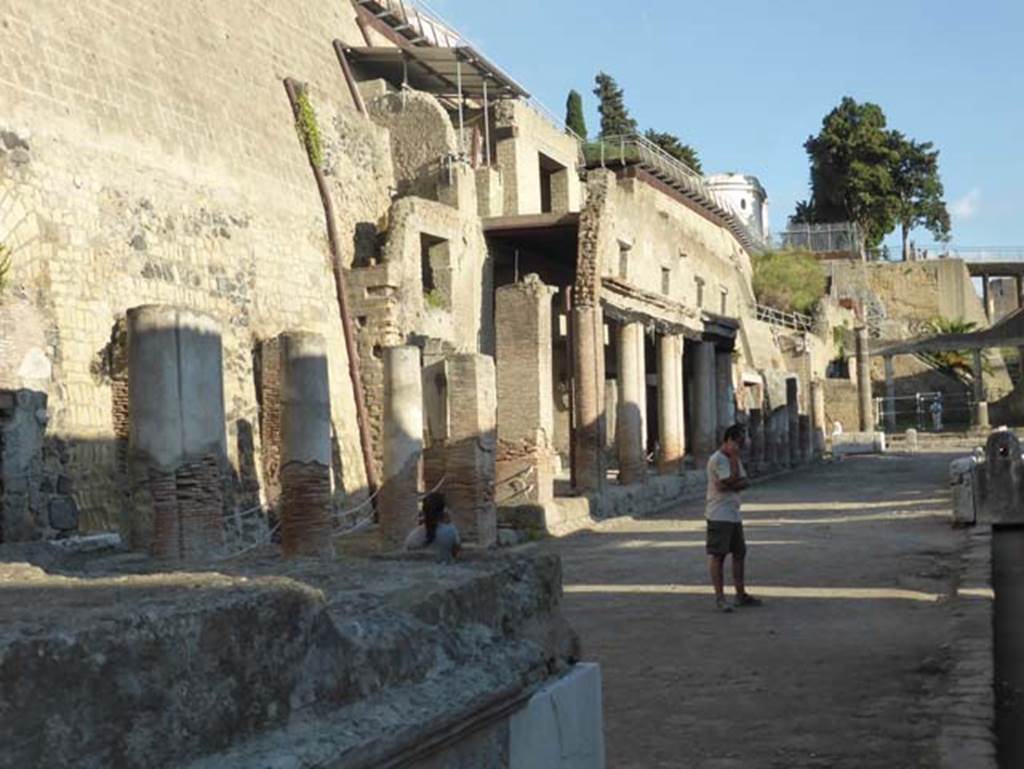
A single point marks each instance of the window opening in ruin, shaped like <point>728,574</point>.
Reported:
<point>435,271</point>
<point>743,203</point>
<point>666,280</point>
<point>624,249</point>
<point>700,292</point>
<point>548,168</point>
<point>725,301</point>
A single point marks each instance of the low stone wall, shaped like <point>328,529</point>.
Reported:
<point>264,663</point>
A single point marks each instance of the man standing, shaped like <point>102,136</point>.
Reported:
<point>726,479</point>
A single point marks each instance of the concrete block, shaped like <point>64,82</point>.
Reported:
<point>858,443</point>
<point>561,726</point>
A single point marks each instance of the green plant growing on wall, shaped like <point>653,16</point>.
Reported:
<point>791,281</point>
<point>308,129</point>
<point>435,300</point>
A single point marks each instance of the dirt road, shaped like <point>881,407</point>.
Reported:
<point>844,665</point>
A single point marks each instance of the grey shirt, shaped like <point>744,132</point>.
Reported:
<point>446,538</point>
<point>722,505</point>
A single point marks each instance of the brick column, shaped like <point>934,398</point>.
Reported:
<point>867,422</point>
<point>305,471</point>
<point>629,420</point>
<point>525,411</point>
<point>670,403</point>
<point>588,375</point>
<point>403,444</point>
<point>470,452</point>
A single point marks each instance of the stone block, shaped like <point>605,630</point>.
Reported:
<point>561,726</point>
<point>490,193</point>
<point>858,443</point>
<point>63,514</point>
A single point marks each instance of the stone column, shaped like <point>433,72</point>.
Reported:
<point>793,419</point>
<point>305,446</point>
<point>525,457</point>
<point>980,415</point>
<point>629,420</point>
<point>757,441</point>
<point>177,446</point>
<point>725,403</point>
<point>402,445</point>
<point>611,407</point>
<point>470,453</point>
<point>864,381</point>
<point>805,438</point>
<point>704,410</point>
<point>890,395</point>
<point>818,427</point>
<point>588,376</point>
<point>670,403</point>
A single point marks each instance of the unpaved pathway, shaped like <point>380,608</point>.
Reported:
<point>844,665</point>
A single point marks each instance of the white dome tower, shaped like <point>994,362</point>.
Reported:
<point>746,197</point>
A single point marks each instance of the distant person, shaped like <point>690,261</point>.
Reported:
<point>726,479</point>
<point>936,409</point>
<point>436,530</point>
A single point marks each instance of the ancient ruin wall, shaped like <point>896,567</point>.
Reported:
<point>148,155</point>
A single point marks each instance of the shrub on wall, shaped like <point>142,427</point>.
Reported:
<point>792,281</point>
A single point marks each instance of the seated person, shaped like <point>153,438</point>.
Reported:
<point>436,530</point>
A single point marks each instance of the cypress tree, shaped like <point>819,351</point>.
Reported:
<point>574,114</point>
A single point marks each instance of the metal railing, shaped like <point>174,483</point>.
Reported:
<point>832,237</point>
<point>634,149</point>
<point>973,253</point>
<point>775,317</point>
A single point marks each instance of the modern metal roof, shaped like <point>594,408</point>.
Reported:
<point>438,70</point>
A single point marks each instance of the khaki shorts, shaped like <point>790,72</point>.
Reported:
<point>725,537</point>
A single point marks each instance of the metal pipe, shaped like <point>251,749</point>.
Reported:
<point>487,127</point>
<point>341,294</point>
<point>458,82</point>
<point>357,96</point>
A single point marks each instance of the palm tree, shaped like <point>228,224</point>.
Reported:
<point>959,361</point>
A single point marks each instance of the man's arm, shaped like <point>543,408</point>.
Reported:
<point>735,481</point>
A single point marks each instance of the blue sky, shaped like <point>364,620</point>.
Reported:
<point>747,82</point>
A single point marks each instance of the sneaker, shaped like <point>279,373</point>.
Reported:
<point>748,600</point>
<point>723,606</point>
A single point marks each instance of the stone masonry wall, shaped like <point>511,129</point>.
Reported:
<point>148,155</point>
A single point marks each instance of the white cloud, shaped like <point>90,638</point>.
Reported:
<point>966,207</point>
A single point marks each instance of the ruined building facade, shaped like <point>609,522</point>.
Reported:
<point>579,323</point>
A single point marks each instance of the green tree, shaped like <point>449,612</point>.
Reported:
<point>615,119</point>
<point>790,280</point>
<point>918,189</point>
<point>852,158</point>
<point>675,147</point>
<point>574,120</point>
<point>958,361</point>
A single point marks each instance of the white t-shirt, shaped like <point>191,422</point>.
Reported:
<point>722,505</point>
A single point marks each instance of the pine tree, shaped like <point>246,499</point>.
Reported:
<point>574,120</point>
<point>615,119</point>
<point>918,189</point>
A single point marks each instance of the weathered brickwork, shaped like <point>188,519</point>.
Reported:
<point>149,156</point>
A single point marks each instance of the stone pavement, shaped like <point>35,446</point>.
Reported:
<point>856,660</point>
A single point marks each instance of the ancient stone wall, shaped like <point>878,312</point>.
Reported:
<point>149,155</point>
